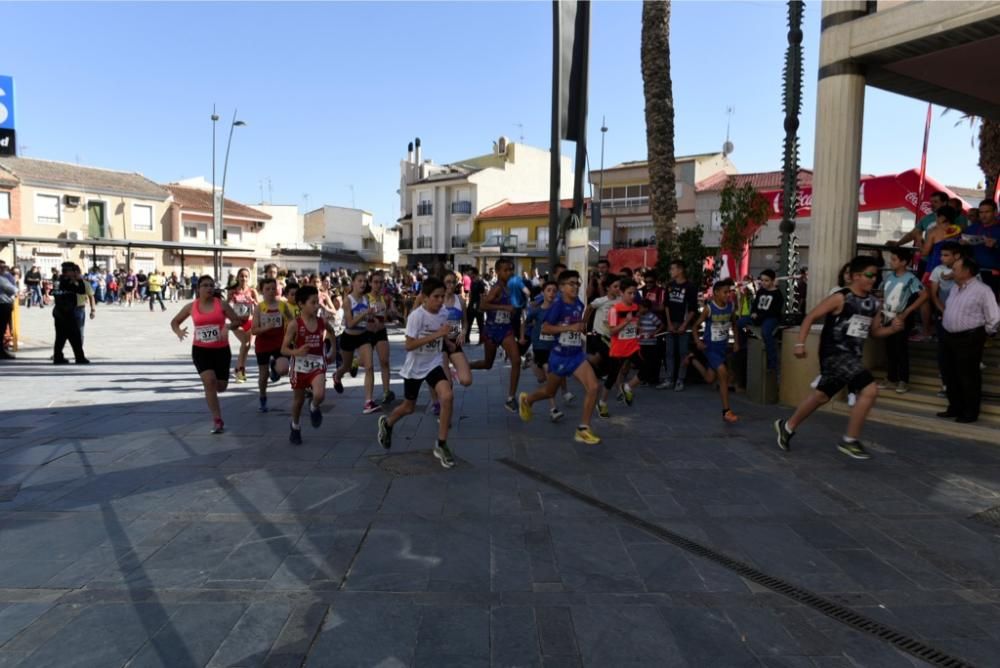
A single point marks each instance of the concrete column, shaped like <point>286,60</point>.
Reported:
<point>840,101</point>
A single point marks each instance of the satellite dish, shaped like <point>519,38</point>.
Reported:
<point>727,148</point>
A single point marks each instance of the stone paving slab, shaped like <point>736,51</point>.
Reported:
<point>133,537</point>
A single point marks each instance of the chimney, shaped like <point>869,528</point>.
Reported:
<point>409,152</point>
<point>417,145</point>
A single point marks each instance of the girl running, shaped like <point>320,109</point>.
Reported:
<point>304,345</point>
<point>210,347</point>
<point>379,336</point>
<point>270,320</point>
<point>243,298</point>
<point>719,318</point>
<point>454,308</point>
<point>355,339</point>
<point>500,330</point>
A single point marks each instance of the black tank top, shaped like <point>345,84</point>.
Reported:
<point>844,333</point>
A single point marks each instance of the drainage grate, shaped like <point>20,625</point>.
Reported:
<point>8,492</point>
<point>416,462</point>
<point>900,641</point>
<point>990,516</point>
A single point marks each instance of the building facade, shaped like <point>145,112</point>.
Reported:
<point>346,231</point>
<point>519,231</point>
<point>439,204</point>
<point>283,229</point>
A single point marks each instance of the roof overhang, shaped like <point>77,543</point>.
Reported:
<point>126,243</point>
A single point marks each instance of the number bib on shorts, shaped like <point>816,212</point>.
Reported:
<point>859,326</point>
<point>308,363</point>
<point>208,334</point>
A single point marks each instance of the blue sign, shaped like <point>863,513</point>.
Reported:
<point>6,103</point>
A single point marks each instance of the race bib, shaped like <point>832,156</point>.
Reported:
<point>456,329</point>
<point>308,363</point>
<point>546,337</point>
<point>502,317</point>
<point>859,326</point>
<point>241,309</point>
<point>570,339</point>
<point>630,331</point>
<point>270,320</point>
<point>208,333</point>
<point>720,332</point>
<point>378,310</point>
<point>432,347</point>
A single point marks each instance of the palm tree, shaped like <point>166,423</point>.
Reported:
<point>659,94</point>
<point>989,147</point>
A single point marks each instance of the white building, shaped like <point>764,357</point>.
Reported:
<point>284,230</point>
<point>438,203</point>
<point>341,229</point>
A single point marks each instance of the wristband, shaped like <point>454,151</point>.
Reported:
<point>800,345</point>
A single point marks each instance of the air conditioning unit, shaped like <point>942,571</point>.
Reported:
<point>73,236</point>
<point>72,200</point>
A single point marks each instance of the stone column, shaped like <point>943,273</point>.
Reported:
<point>840,98</point>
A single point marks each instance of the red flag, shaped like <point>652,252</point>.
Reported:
<point>923,164</point>
<point>996,192</point>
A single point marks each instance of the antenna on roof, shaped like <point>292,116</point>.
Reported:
<point>520,128</point>
<point>270,198</point>
<point>728,147</point>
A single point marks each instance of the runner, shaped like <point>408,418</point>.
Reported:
<point>243,298</point>
<point>379,336</point>
<point>129,288</point>
<point>427,328</point>
<point>848,317</point>
<point>304,345</point>
<point>599,337</point>
<point>210,345</point>
<point>270,320</point>
<point>541,344</point>
<point>454,308</point>
<point>500,331</point>
<point>565,319</point>
<point>719,319</point>
<point>355,339</point>
<point>623,323</point>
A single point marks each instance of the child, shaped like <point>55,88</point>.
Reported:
<point>426,329</point>
<point>942,281</point>
<point>623,323</point>
<point>356,338</point>
<point>719,320</point>
<point>650,347</point>
<point>304,345</point>
<point>541,344</point>
<point>765,313</point>
<point>269,322</point>
<point>903,295</point>
<point>565,320</point>
<point>499,329</point>
<point>848,317</point>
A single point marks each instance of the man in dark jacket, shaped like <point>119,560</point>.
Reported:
<point>64,294</point>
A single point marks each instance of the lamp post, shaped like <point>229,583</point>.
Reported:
<point>215,213</point>
<point>222,195</point>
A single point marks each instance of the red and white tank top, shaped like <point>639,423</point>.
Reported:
<point>209,328</point>
<point>243,302</point>
<point>314,360</point>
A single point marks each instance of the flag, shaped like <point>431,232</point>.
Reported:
<point>572,52</point>
<point>923,163</point>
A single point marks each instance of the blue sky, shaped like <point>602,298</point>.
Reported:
<point>332,92</point>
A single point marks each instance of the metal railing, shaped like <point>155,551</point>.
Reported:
<point>406,244</point>
<point>460,241</point>
<point>425,242</point>
<point>461,207</point>
<point>425,209</point>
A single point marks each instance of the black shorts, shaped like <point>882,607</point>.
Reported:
<point>212,359</point>
<point>351,342</point>
<point>841,371</point>
<point>264,359</point>
<point>411,386</point>
<point>451,346</point>
<point>598,345</point>
<point>380,335</point>
<point>541,357</point>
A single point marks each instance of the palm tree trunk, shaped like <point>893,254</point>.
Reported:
<point>989,153</point>
<point>658,91</point>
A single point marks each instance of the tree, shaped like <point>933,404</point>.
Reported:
<point>742,211</point>
<point>658,91</point>
<point>989,147</point>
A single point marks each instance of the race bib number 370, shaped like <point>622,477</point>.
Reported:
<point>208,334</point>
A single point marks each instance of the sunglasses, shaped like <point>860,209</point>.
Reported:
<point>869,274</point>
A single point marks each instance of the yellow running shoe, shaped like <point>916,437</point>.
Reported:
<point>585,435</point>
<point>523,407</point>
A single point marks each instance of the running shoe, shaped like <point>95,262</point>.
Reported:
<point>679,386</point>
<point>510,405</point>
<point>585,435</point>
<point>730,417</point>
<point>273,372</point>
<point>218,426</point>
<point>82,360</point>
<point>443,453</point>
<point>523,407</point>
<point>628,395</point>
<point>337,385</point>
<point>902,388</point>
<point>354,368</point>
<point>60,360</point>
<point>436,408</point>
<point>263,406</point>
<point>384,432</point>
<point>620,397</point>
<point>388,398</point>
<point>852,399</point>
<point>568,398</point>
<point>784,436</point>
<point>295,437</point>
<point>883,385</point>
<point>555,415</point>
<point>602,409</point>
<point>853,449</point>
<point>665,385</point>
<point>241,376</point>
<point>371,407</point>
<point>315,416</point>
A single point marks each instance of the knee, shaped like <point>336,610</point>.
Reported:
<point>465,379</point>
<point>221,385</point>
<point>445,395</point>
<point>869,393</point>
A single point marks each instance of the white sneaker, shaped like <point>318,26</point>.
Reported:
<point>679,386</point>
<point>555,415</point>
<point>902,388</point>
<point>568,398</point>
<point>665,385</point>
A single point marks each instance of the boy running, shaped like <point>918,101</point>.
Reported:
<point>719,319</point>
<point>541,344</point>
<point>304,345</point>
<point>426,329</point>
<point>848,317</point>
<point>500,330</point>
<point>623,323</point>
<point>565,320</point>
<point>269,322</point>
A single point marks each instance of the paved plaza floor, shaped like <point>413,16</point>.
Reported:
<point>131,536</point>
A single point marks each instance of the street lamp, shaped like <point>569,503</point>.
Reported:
<point>215,217</point>
<point>222,195</point>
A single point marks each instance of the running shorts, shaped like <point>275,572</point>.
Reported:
<point>351,342</point>
<point>380,335</point>
<point>302,371</point>
<point>598,345</point>
<point>497,333</point>
<point>839,371</point>
<point>542,357</point>
<point>566,365</point>
<point>411,386</point>
<point>451,346</point>
<point>715,356</point>
<point>264,358</point>
<point>212,359</point>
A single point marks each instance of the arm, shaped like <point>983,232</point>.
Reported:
<point>289,341</point>
<point>487,302</point>
<point>255,328</point>
<point>706,312</point>
<point>181,316</point>
<point>936,295</point>
<point>914,235</point>
<point>613,323</point>
<point>922,296</point>
<point>831,304</point>
<point>692,312</point>
<point>414,343</point>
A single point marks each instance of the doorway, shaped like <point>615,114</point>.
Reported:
<point>96,220</point>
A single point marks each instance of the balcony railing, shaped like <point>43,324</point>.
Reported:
<point>425,242</point>
<point>406,244</point>
<point>635,243</point>
<point>461,207</point>
<point>460,241</point>
<point>425,209</point>
<point>504,243</point>
<point>625,203</point>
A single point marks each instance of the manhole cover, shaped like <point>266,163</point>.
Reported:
<point>8,492</point>
<point>417,462</point>
<point>990,516</point>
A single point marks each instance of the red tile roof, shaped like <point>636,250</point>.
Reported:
<point>197,199</point>
<point>524,209</point>
<point>759,180</point>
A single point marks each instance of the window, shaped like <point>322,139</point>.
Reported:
<point>142,217</point>
<point>541,237</point>
<point>47,209</point>
<point>232,235</point>
<point>190,232</point>
<point>716,220</point>
<point>4,205</point>
<point>521,233</point>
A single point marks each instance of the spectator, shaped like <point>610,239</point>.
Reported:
<point>970,313</point>
<point>8,293</point>
<point>983,237</point>
<point>922,226</point>
<point>33,281</point>
<point>66,292</point>
<point>768,305</point>
<point>942,281</point>
<point>959,207</point>
<point>903,295</point>
<point>154,286</point>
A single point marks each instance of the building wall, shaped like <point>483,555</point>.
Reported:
<point>285,228</point>
<point>12,223</point>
